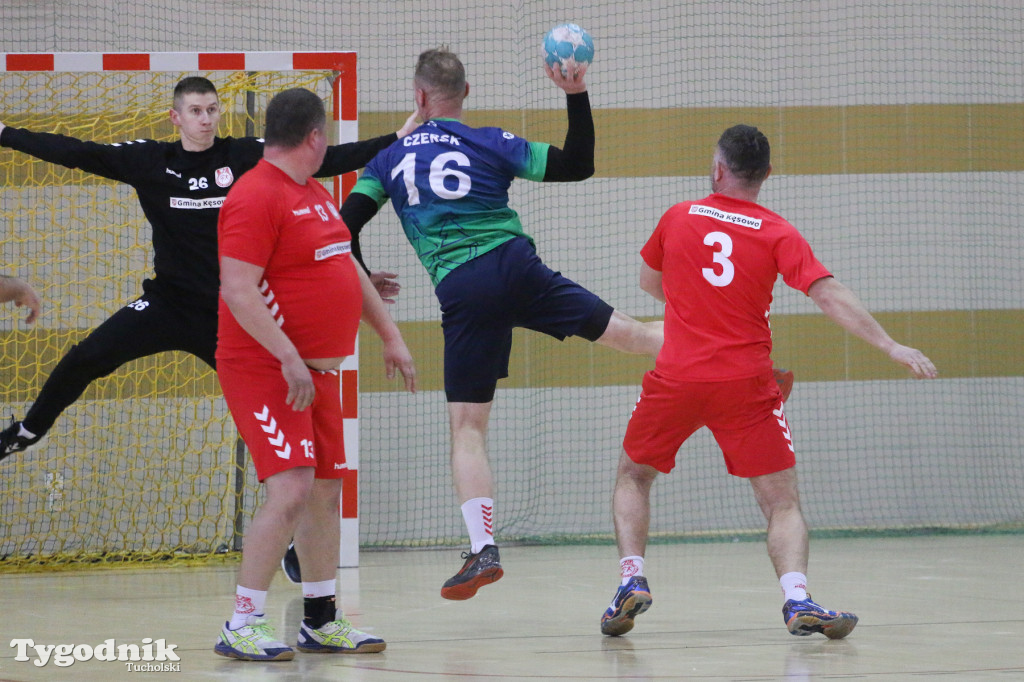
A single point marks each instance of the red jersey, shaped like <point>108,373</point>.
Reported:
<point>719,259</point>
<point>310,282</point>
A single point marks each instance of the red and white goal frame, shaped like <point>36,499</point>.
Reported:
<point>345,115</point>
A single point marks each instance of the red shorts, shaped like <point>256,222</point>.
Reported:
<point>745,416</point>
<point>278,437</point>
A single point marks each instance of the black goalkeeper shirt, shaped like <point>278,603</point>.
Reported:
<point>180,192</point>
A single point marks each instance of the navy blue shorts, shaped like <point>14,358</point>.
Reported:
<point>482,300</point>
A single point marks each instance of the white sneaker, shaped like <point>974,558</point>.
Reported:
<point>254,641</point>
<point>338,637</point>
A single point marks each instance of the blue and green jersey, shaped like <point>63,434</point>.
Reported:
<point>449,184</point>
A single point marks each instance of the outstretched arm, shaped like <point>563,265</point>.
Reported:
<point>116,162</point>
<point>14,289</point>
<point>350,156</point>
<point>844,308</point>
<point>396,354</point>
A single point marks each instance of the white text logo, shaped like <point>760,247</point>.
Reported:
<point>63,655</point>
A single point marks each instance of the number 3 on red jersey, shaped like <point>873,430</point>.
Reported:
<point>720,256</point>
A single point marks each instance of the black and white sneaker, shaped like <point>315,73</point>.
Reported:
<point>12,441</point>
<point>290,565</point>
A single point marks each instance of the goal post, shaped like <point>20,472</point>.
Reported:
<point>144,466</point>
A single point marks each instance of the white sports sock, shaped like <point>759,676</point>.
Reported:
<point>794,585</point>
<point>631,566</point>
<point>247,603</point>
<point>478,513</point>
<point>322,588</point>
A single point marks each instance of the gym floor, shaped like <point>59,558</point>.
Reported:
<point>928,606</point>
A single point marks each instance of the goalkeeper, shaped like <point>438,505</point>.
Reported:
<point>180,186</point>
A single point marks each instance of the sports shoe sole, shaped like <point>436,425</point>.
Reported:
<point>833,628</point>
<point>373,647</point>
<point>468,589</point>
<point>622,622</point>
<point>226,651</point>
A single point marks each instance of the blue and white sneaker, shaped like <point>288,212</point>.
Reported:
<point>254,641</point>
<point>338,637</point>
<point>804,618</point>
<point>630,601</point>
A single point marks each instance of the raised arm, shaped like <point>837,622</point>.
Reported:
<point>575,160</point>
<point>844,308</point>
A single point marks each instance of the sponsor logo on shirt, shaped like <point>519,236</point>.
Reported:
<point>734,218</point>
<point>174,173</point>
<point>211,202</point>
<point>224,177</point>
<point>302,211</point>
<point>333,250</point>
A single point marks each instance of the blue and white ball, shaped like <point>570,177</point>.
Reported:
<point>565,42</point>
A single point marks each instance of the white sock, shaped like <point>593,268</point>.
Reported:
<point>25,433</point>
<point>478,514</point>
<point>247,603</point>
<point>794,585</point>
<point>631,566</point>
<point>322,588</point>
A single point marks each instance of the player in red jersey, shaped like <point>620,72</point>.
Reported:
<point>291,298</point>
<point>714,263</point>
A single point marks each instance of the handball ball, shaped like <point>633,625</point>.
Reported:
<point>568,41</point>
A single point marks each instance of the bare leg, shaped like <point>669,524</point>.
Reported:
<point>787,531</point>
<point>471,469</point>
<point>317,537</point>
<point>788,549</point>
<point>471,472</point>
<point>631,505</point>
<point>632,336</point>
<point>273,526</point>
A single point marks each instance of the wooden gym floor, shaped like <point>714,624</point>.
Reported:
<point>949,606</point>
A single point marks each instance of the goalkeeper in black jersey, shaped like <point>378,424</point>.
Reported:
<point>180,185</point>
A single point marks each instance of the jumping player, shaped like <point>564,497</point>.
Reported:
<point>449,185</point>
<point>285,258</point>
<point>714,263</point>
<point>181,186</point>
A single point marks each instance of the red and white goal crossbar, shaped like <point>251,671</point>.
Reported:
<point>345,113</point>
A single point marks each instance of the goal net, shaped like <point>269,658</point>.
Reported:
<point>147,464</point>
